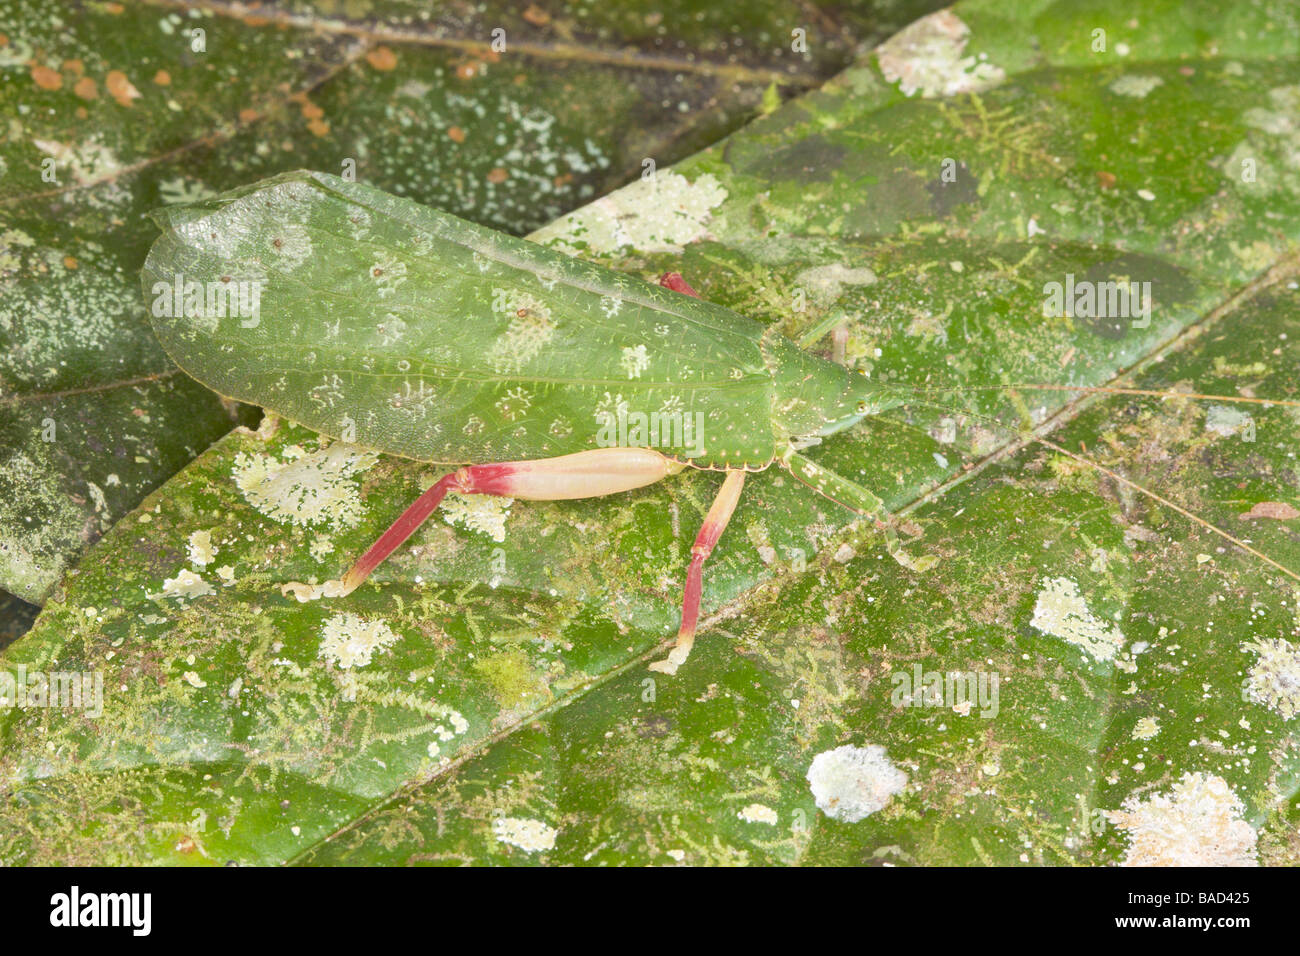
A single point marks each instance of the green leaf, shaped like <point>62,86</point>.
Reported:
<point>114,110</point>
<point>487,700</point>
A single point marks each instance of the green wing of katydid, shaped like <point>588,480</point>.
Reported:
<point>333,303</point>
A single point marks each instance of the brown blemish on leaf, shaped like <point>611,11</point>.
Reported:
<point>536,15</point>
<point>382,58</point>
<point>456,134</point>
<point>120,88</point>
<point>1279,510</point>
<point>86,89</point>
<point>162,78</point>
<point>46,78</point>
<point>497,175</point>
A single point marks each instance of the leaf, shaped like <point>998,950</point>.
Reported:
<point>118,109</point>
<point>487,701</point>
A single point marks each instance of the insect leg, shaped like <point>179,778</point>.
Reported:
<point>584,474</point>
<point>715,522</point>
<point>853,496</point>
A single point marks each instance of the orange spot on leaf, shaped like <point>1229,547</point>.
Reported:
<point>120,88</point>
<point>46,78</point>
<point>382,58</point>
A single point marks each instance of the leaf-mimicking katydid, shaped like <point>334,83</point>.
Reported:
<point>464,347</point>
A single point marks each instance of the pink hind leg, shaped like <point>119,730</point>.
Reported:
<point>715,522</point>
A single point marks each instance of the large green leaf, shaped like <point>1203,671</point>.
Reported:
<point>113,110</point>
<point>486,699</point>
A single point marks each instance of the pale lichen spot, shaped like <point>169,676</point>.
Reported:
<point>661,214</point>
<point>320,547</point>
<point>201,549</point>
<point>758,813</point>
<point>1062,612</point>
<point>1225,421</point>
<point>186,585</point>
<point>386,273</point>
<point>308,489</point>
<point>926,57</point>
<point>514,404</point>
<point>485,514</point>
<point>531,836</point>
<point>634,361</point>
<point>1134,85</point>
<point>1146,728</point>
<point>348,640</point>
<point>1198,823</point>
<point>530,328</point>
<point>850,783</point>
<point>1271,150</point>
<point>825,284</point>
<point>1274,678</point>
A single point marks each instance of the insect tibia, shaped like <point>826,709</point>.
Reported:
<point>856,498</point>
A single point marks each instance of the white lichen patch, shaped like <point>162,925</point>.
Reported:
<point>348,640</point>
<point>87,162</point>
<point>1274,678</point>
<point>530,328</point>
<point>1272,152</point>
<point>485,514</point>
<point>1132,84</point>
<point>634,360</point>
<point>444,732</point>
<point>320,547</point>
<point>1225,421</point>
<point>659,214</point>
<point>186,585</point>
<point>758,813</point>
<point>1198,823</point>
<point>33,552</point>
<point>825,284</point>
<point>306,490</point>
<point>1146,728</point>
<point>1062,612</point>
<point>531,836</point>
<point>850,783</point>
<point>201,549</point>
<point>926,57</point>
<point>313,592</point>
<point>278,236</point>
